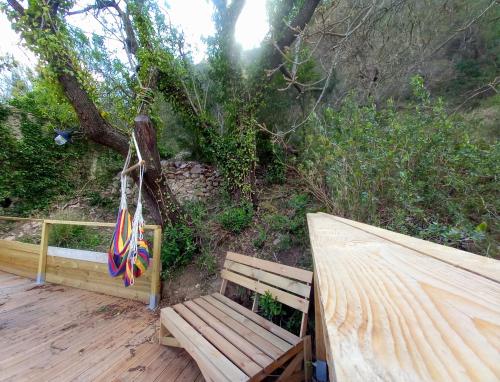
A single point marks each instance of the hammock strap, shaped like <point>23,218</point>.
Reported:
<point>138,221</point>
<point>123,181</point>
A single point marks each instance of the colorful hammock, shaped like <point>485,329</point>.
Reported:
<point>128,254</point>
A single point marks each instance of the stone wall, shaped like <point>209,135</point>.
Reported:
<point>191,180</point>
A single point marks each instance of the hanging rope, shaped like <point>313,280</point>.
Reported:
<point>128,254</point>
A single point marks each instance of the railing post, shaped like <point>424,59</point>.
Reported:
<point>154,297</point>
<point>42,261</point>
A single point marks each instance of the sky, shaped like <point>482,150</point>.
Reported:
<point>194,17</point>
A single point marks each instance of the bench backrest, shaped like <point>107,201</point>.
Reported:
<point>290,286</point>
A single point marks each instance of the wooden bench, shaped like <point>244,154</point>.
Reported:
<point>232,343</point>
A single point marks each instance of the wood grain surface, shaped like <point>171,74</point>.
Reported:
<point>394,313</point>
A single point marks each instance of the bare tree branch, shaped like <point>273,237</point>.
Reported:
<point>16,6</point>
<point>492,86</point>
<point>467,26</point>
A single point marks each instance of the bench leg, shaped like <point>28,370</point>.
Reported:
<point>299,368</point>
<point>293,367</point>
<point>307,359</point>
<point>166,338</point>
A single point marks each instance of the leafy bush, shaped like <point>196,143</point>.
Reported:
<point>261,238</point>
<point>292,225</point>
<point>78,237</point>
<point>207,262</point>
<point>269,306</point>
<point>179,244</point>
<point>235,219</point>
<point>277,222</point>
<point>33,170</point>
<point>275,173</point>
<point>415,171</point>
<point>284,243</point>
<point>97,200</point>
<point>178,247</point>
<point>299,203</point>
<point>275,311</point>
<point>197,212</point>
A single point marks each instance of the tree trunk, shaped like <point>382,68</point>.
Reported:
<point>94,125</point>
<point>158,196</point>
<point>158,193</point>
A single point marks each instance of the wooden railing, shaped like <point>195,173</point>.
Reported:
<point>77,268</point>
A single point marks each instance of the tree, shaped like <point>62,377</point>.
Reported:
<point>157,64</point>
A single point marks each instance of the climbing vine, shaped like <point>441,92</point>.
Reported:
<point>230,143</point>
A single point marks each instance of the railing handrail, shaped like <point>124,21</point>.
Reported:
<point>72,222</point>
<point>94,224</point>
<point>15,218</point>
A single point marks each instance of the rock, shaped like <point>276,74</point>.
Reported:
<point>197,169</point>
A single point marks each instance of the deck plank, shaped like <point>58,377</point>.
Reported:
<point>60,333</point>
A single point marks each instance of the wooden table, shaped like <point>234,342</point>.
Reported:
<point>395,308</point>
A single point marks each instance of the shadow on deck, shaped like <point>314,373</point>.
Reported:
<point>58,333</point>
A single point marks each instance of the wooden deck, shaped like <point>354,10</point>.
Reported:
<point>58,333</point>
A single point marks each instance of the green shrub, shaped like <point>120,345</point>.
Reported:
<point>178,247</point>
<point>415,171</point>
<point>197,212</point>
<point>275,173</point>
<point>179,243</point>
<point>207,262</point>
<point>270,307</point>
<point>284,243</point>
<point>275,311</point>
<point>97,200</point>
<point>261,238</point>
<point>236,219</point>
<point>276,169</point>
<point>293,322</point>
<point>33,170</point>
<point>78,237</point>
<point>277,222</point>
<point>291,226</point>
<point>299,203</point>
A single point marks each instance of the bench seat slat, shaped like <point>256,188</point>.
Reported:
<point>237,357</point>
<point>276,330</point>
<point>270,337</point>
<point>211,361</point>
<point>227,331</point>
<point>258,347</point>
